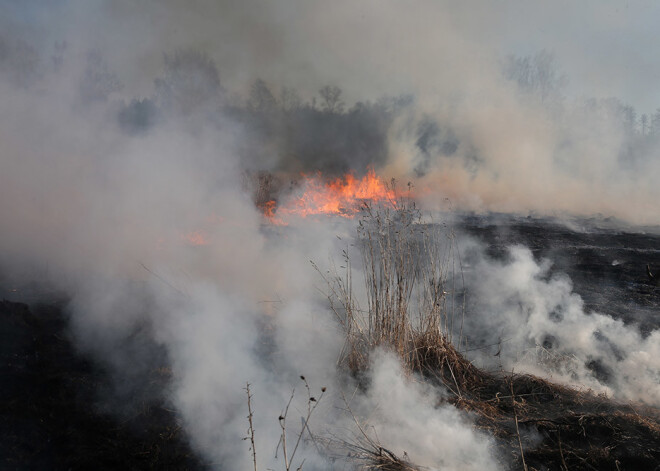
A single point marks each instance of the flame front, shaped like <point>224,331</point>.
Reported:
<point>343,196</point>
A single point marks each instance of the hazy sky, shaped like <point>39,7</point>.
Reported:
<point>607,48</point>
<point>369,47</point>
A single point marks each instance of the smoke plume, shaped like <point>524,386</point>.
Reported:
<point>131,136</point>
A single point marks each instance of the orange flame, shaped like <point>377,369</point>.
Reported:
<point>343,196</point>
<point>196,238</point>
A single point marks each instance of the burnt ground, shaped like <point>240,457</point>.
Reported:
<point>606,261</point>
<point>557,427</point>
<point>51,416</point>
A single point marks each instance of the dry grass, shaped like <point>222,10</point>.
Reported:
<point>406,265</point>
<point>536,424</point>
<point>411,309</point>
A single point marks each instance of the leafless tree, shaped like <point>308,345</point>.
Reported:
<point>190,80</point>
<point>289,99</point>
<point>261,98</point>
<point>332,102</point>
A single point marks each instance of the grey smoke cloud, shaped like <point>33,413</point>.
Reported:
<point>542,327</point>
<point>507,152</point>
<point>112,217</point>
<point>106,217</point>
<point>407,418</point>
<point>371,48</point>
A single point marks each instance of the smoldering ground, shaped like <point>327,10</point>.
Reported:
<point>537,323</point>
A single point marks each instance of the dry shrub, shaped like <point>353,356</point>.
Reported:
<point>407,264</point>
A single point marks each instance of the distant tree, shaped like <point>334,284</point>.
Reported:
<point>614,111</point>
<point>396,103</point>
<point>644,122</point>
<point>289,99</point>
<point>332,102</point>
<point>138,116</point>
<point>190,80</point>
<point>629,119</point>
<point>261,98</point>
<point>57,57</point>
<point>655,123</point>
<point>20,63</point>
<point>98,82</point>
<point>536,75</point>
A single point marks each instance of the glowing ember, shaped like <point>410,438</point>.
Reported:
<point>341,197</point>
<point>269,208</point>
<point>196,238</point>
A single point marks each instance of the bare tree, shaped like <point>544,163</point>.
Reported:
<point>332,102</point>
<point>261,98</point>
<point>20,62</point>
<point>644,122</point>
<point>536,75</point>
<point>629,119</point>
<point>98,82</point>
<point>289,99</point>
<point>190,80</point>
<point>655,123</point>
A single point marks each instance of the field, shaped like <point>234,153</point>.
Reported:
<point>58,413</point>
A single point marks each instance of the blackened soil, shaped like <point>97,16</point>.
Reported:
<point>556,427</point>
<point>606,263</point>
<point>48,416</point>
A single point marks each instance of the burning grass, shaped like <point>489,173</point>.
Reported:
<point>317,195</point>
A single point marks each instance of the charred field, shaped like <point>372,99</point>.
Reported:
<point>56,412</point>
<point>51,414</point>
<point>605,260</point>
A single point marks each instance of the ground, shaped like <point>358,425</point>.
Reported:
<point>52,416</point>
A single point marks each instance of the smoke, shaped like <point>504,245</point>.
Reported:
<point>164,258</point>
<point>127,130</point>
<point>536,324</point>
<point>519,158</point>
<point>409,422</point>
<point>495,125</point>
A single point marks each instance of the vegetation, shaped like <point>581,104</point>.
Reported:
<point>410,269</point>
<point>406,269</point>
<point>303,130</point>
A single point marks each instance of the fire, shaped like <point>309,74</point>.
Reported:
<point>196,238</point>
<point>344,196</point>
<point>269,208</point>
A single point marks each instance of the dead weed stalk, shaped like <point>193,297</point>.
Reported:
<point>410,269</point>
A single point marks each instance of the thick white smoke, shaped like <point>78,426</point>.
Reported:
<point>540,326</point>
<point>409,421</point>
